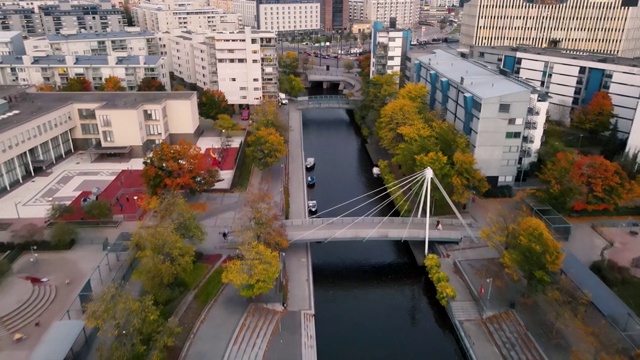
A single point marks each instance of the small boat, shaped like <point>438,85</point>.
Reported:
<point>312,205</point>
<point>310,163</point>
<point>376,171</point>
<point>311,181</point>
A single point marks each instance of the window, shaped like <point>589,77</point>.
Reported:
<point>33,132</point>
<point>39,129</point>
<point>243,88</point>
<point>477,105</point>
<point>50,125</point>
<point>513,135</point>
<point>232,79</point>
<point>15,141</point>
<point>21,137</point>
<point>510,149</point>
<point>28,134</point>
<point>88,129</point>
<point>153,115</point>
<point>509,162</point>
<point>2,147</point>
<point>256,80</point>
<point>153,129</point>
<point>505,178</point>
<point>256,89</point>
<point>107,136</point>
<point>515,121</point>
<point>86,114</point>
<point>105,120</point>
<point>504,108</point>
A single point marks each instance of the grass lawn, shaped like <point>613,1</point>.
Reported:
<point>199,269</point>
<point>210,287</point>
<point>243,171</point>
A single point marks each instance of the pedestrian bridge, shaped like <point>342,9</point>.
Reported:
<point>327,102</point>
<point>377,228</point>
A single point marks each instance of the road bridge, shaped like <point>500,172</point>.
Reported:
<point>327,102</point>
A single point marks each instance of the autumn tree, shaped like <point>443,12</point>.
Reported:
<point>568,304</point>
<point>365,66</point>
<point>180,167</point>
<point>255,272</point>
<point>135,325</point>
<point>164,258</point>
<point>58,211</point>
<point>290,85</point>
<point>288,63</point>
<point>213,103</point>
<point>171,209</point>
<point>99,210</point>
<point>397,118</point>
<point>379,91</point>
<point>266,147</point>
<point>267,116</point>
<point>45,88</point>
<point>77,84</point>
<point>261,221</point>
<point>416,93</point>
<point>305,62</point>
<point>225,123</point>
<point>151,84</point>
<point>595,118</point>
<point>62,235</point>
<point>112,84</point>
<point>348,64</point>
<point>530,251</point>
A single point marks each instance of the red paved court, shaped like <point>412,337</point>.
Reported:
<point>126,185</point>
<point>212,158</point>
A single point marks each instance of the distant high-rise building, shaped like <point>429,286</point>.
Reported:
<point>335,15</point>
<point>406,12</point>
<point>605,26</point>
<point>286,16</point>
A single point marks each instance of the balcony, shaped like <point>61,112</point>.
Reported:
<point>529,139</point>
<point>526,153</point>
<point>533,111</point>
<point>531,125</point>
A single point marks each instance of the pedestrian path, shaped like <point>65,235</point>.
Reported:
<point>252,336</point>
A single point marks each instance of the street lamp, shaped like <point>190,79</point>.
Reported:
<point>16,203</point>
<point>135,203</point>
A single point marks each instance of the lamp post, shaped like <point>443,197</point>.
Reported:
<point>490,281</point>
<point>135,203</point>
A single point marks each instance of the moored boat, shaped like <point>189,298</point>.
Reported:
<point>310,163</point>
<point>312,206</point>
<point>376,171</point>
<point>311,181</point>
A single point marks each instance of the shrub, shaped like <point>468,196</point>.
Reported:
<point>63,235</point>
<point>611,274</point>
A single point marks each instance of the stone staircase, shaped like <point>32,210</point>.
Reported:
<point>41,297</point>
<point>309,336</point>
<point>512,340</point>
<point>252,336</point>
<point>465,310</point>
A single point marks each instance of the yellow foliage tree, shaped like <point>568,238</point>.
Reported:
<point>255,272</point>
<point>266,147</point>
<point>261,221</point>
<point>395,115</point>
<point>416,93</point>
<point>45,88</point>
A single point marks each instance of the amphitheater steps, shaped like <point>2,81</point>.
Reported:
<point>512,339</point>
<point>252,336</point>
<point>41,297</point>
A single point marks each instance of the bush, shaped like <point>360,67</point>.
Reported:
<point>63,235</point>
<point>198,256</point>
<point>611,274</point>
<point>503,191</point>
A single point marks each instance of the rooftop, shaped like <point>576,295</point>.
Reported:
<point>478,79</point>
<point>568,54</point>
<point>34,105</point>
<point>99,36</point>
<point>6,35</point>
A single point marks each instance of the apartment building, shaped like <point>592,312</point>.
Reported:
<point>92,17</point>
<point>56,70</point>
<point>11,43</point>
<point>609,27</point>
<point>357,11</point>
<point>443,3</point>
<point>249,11</point>
<point>113,43</point>
<point>502,116</point>
<point>282,17</point>
<point>242,64</point>
<point>389,47</point>
<point>406,12</point>
<point>160,18</point>
<point>40,129</point>
<point>28,4</point>
<point>27,21</point>
<point>335,15</point>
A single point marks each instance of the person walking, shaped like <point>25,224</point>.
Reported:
<point>438,225</point>
<point>225,235</point>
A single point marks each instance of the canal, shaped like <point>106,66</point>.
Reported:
<point>372,301</point>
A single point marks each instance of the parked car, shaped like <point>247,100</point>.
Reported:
<point>245,114</point>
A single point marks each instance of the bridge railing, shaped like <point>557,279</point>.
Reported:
<point>376,220</point>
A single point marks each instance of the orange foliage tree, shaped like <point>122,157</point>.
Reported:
<point>151,84</point>
<point>180,167</point>
<point>77,84</point>
<point>45,88</point>
<point>595,118</point>
<point>585,182</point>
<point>213,103</point>
<point>112,84</point>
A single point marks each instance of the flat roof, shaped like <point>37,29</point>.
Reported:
<point>99,36</point>
<point>567,54</point>
<point>58,340</point>
<point>478,79</point>
<point>34,105</point>
<point>5,35</point>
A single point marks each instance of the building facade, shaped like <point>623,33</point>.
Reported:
<point>114,43</point>
<point>609,27</point>
<point>11,43</point>
<point>406,12</point>
<point>357,11</point>
<point>389,49</point>
<point>76,18</point>
<point>43,128</point>
<point>286,17</point>
<point>159,18</point>
<point>502,116</point>
<point>242,64</point>
<point>56,70</point>
<point>335,15</point>
<point>27,21</point>
<point>248,9</point>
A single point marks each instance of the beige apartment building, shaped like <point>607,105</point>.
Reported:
<point>39,129</point>
<point>604,26</point>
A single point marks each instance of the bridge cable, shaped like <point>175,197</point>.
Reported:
<point>412,193</point>
<point>376,208</point>
<point>384,188</point>
<point>411,178</point>
<point>453,207</point>
<point>415,206</point>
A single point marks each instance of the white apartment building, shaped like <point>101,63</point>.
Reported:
<point>357,10</point>
<point>289,16</point>
<point>388,49</point>
<point>32,4</point>
<point>56,70</point>
<point>442,3</point>
<point>113,43</point>
<point>246,8</point>
<point>242,64</point>
<point>605,26</point>
<point>159,18</point>
<point>502,116</point>
<point>100,16</point>
<point>39,129</point>
<point>11,43</point>
<point>406,12</point>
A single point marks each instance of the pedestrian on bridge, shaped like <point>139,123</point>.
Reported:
<point>438,225</point>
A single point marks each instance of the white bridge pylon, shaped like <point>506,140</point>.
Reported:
<point>419,184</point>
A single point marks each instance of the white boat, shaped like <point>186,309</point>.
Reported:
<point>376,171</point>
<point>310,163</point>
<point>312,205</point>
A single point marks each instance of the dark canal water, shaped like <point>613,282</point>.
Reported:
<point>372,300</point>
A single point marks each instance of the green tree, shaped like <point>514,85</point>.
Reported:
<point>267,115</point>
<point>288,63</point>
<point>530,252</point>
<point>291,85</point>
<point>98,209</point>
<point>380,90</point>
<point>225,123</point>
<point>628,161</point>
<point>348,64</point>
<point>612,146</point>
<point>261,221</point>
<point>63,235</point>
<point>134,325</point>
<point>171,209</point>
<point>151,84</point>
<point>255,272</point>
<point>213,103</point>
<point>305,62</point>
<point>266,147</point>
<point>58,211</point>
<point>595,118</point>
<point>77,84</point>
<point>165,260</point>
